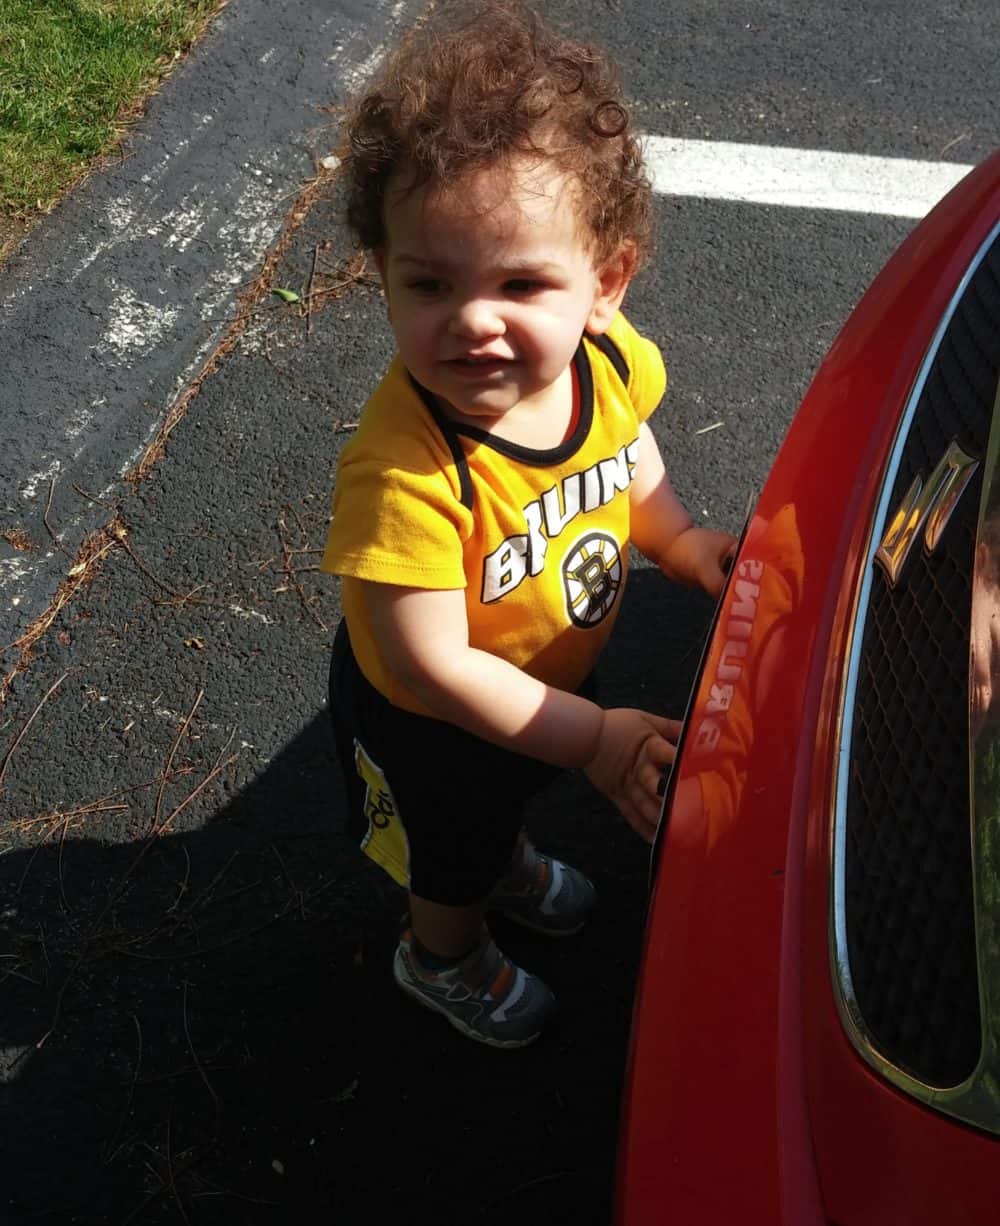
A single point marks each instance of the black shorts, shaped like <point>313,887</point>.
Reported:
<point>437,808</point>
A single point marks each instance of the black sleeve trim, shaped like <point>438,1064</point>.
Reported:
<point>614,355</point>
<point>450,435</point>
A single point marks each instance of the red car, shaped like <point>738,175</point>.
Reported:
<point>816,1036</point>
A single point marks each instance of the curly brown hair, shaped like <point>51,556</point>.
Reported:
<point>479,87</point>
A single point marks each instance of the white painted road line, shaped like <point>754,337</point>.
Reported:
<point>798,178</point>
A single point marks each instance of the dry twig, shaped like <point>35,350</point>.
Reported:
<point>45,520</point>
<point>111,1149</point>
<point>19,539</point>
<point>288,877</point>
<point>312,282</point>
<point>96,501</point>
<point>170,761</point>
<point>291,573</point>
<point>24,825</point>
<point>255,290</point>
<point>219,1190</point>
<point>185,1167</point>
<point>122,535</point>
<point>219,766</point>
<point>152,838</point>
<point>184,884</point>
<point>172,1177</point>
<point>80,573</point>
<point>197,1062</point>
<point>308,896</point>
<point>59,861</point>
<point>353,272</point>
<point>30,720</point>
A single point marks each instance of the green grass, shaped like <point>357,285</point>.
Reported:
<point>71,74</point>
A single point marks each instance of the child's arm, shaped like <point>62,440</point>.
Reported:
<point>424,638</point>
<point>662,530</point>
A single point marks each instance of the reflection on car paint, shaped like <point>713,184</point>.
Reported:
<point>765,589</point>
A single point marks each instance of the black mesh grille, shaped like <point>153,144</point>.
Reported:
<point>909,906</point>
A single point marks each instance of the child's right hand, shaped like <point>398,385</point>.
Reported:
<point>698,556</point>
<point>633,748</point>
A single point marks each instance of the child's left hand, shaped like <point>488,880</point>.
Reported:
<point>632,750</point>
<point>696,557</point>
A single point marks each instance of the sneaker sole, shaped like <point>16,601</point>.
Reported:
<point>467,1030</point>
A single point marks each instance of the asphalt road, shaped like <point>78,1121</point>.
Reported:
<point>199,1022</point>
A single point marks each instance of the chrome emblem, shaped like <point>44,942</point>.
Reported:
<point>927,506</point>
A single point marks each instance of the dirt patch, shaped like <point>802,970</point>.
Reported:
<point>12,232</point>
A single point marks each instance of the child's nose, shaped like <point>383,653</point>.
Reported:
<point>476,318</point>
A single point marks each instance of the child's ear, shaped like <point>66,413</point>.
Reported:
<point>613,278</point>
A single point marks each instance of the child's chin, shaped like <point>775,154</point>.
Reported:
<point>487,407</point>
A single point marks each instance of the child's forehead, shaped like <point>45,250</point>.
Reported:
<point>523,201</point>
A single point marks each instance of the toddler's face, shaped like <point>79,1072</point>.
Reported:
<point>490,286</point>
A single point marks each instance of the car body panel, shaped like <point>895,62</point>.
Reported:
<point>745,1100</point>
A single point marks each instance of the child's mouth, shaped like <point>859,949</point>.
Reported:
<point>478,366</point>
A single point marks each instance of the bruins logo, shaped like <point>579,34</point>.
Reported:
<point>592,575</point>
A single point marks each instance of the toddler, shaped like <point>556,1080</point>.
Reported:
<point>484,509</point>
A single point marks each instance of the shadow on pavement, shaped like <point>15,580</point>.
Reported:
<point>204,1028</point>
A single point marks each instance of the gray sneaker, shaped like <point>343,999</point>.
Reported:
<point>543,894</point>
<point>485,995</point>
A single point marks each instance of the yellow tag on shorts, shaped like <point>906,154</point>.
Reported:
<point>385,840</point>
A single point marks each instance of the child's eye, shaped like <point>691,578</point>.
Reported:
<point>426,285</point>
<point>522,285</point>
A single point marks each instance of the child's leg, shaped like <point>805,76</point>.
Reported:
<point>455,804</point>
<point>447,932</point>
<point>543,893</point>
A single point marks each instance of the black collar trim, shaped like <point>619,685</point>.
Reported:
<point>515,451</point>
<point>447,428</point>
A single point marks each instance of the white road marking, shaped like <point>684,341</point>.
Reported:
<point>30,487</point>
<point>249,614</point>
<point>134,327</point>
<point>355,75</point>
<point>236,220</point>
<point>798,178</point>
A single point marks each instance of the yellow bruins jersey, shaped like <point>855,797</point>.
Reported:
<point>538,539</point>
